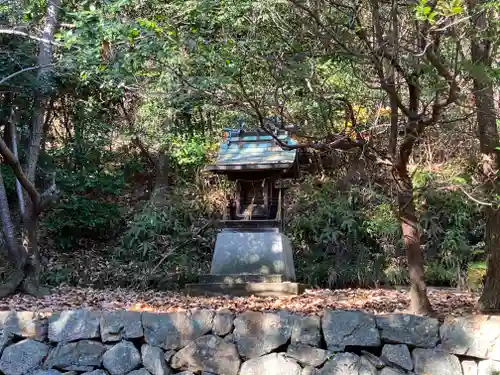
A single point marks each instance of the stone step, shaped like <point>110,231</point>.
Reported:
<point>246,289</point>
<point>242,278</point>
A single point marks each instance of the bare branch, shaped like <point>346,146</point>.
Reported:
<point>5,79</point>
<point>22,33</point>
<point>482,203</point>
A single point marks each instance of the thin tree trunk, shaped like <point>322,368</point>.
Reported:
<point>411,237</point>
<point>31,283</point>
<point>160,190</point>
<point>8,228</point>
<point>393,138</point>
<point>488,142</point>
<point>28,253</point>
<point>13,270</point>
<point>13,121</point>
<point>420,304</point>
<point>41,96</point>
<point>25,258</point>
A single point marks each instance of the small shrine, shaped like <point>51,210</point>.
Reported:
<point>252,255</point>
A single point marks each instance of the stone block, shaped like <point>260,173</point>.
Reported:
<point>373,359</point>
<point>256,333</point>
<point>23,357</point>
<point>74,325</point>
<point>391,371</point>
<point>435,362</point>
<point>475,336</point>
<point>256,252</point>
<point>141,371</point>
<point>349,328</point>
<point>176,330</point>
<point>246,289</point>
<point>270,364</point>
<point>121,358</point>
<point>347,364</point>
<point>84,355</point>
<point>121,325</point>
<point>223,322</point>
<point>25,324</point>
<point>307,355</point>
<point>153,360</point>
<point>398,355</point>
<point>306,330</point>
<point>408,329</point>
<point>209,353</point>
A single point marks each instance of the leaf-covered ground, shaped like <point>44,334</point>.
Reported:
<point>445,301</point>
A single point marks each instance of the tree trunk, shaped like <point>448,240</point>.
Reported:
<point>420,304</point>
<point>12,269</point>
<point>31,283</point>
<point>162,169</point>
<point>8,228</point>
<point>41,96</point>
<point>393,137</point>
<point>488,142</point>
<point>490,298</point>
<point>41,102</point>
<point>25,257</point>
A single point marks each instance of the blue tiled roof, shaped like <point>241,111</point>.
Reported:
<point>253,150</point>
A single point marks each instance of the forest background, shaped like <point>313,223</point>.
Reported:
<point>110,109</point>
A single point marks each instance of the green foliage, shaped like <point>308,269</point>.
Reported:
<point>175,73</point>
<point>346,241</point>
<point>452,227</point>
<point>190,152</point>
<point>89,207</point>
<point>173,228</point>
<point>152,228</point>
<point>353,238</point>
<point>77,217</point>
<point>437,273</point>
<point>443,8</point>
<point>475,275</point>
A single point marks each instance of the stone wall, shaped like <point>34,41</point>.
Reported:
<point>252,343</point>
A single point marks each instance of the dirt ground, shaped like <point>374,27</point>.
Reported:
<point>446,301</point>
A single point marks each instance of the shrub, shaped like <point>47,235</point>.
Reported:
<point>353,237</point>
<point>452,228</point>
<point>179,227</point>
<point>76,217</point>
<point>344,242</point>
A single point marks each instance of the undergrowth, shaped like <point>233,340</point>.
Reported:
<point>352,238</point>
<point>341,238</point>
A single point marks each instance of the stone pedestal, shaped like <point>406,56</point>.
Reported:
<point>263,252</point>
<point>247,261</point>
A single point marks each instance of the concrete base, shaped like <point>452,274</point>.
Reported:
<point>246,289</point>
<point>241,278</point>
<point>250,262</point>
<point>263,252</point>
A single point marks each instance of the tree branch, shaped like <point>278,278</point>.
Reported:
<point>22,33</point>
<point>40,202</point>
<point>11,159</point>
<point>5,79</point>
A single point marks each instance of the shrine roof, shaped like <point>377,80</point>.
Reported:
<point>254,150</point>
